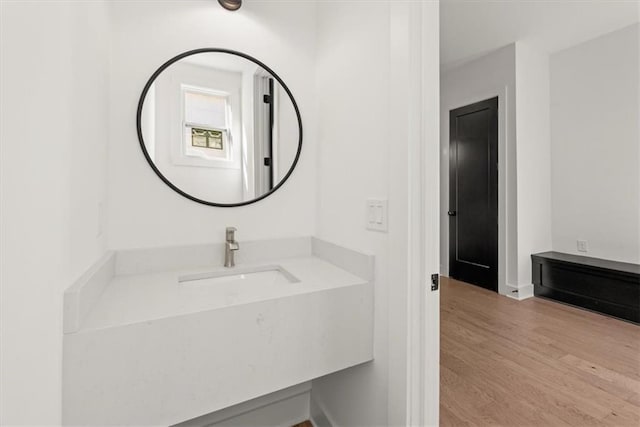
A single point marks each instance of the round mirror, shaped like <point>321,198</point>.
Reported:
<point>219,127</point>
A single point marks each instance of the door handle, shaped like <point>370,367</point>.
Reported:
<point>452,213</point>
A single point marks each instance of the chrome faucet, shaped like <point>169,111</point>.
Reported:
<point>230,247</point>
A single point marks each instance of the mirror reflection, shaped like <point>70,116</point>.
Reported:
<point>219,127</point>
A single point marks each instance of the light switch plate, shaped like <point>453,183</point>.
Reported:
<point>377,213</point>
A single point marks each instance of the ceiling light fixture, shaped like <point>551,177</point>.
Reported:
<point>230,4</point>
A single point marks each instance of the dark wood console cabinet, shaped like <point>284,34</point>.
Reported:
<point>608,287</point>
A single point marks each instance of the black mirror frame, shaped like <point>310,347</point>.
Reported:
<point>150,82</point>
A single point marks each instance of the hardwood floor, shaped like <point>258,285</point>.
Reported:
<point>534,363</point>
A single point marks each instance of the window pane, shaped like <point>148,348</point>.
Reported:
<point>204,109</point>
<point>204,138</point>
<point>214,139</point>
<point>198,138</point>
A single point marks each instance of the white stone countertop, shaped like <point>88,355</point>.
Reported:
<point>146,297</point>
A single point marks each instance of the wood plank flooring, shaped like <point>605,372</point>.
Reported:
<point>534,363</point>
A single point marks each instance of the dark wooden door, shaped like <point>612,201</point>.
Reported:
<point>473,192</point>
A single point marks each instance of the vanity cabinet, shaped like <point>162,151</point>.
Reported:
<point>161,347</point>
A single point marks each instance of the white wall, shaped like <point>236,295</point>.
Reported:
<point>353,131</point>
<point>248,146</point>
<point>366,120</point>
<point>595,120</point>
<point>53,180</point>
<point>285,133</point>
<point>533,165</point>
<point>198,177</point>
<point>50,216</point>
<point>519,76</point>
<point>143,212</point>
<point>486,77</point>
<point>88,99</point>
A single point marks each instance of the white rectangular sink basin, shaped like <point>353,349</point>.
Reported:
<point>239,285</point>
<point>262,276</point>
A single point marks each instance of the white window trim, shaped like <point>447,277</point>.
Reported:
<point>179,155</point>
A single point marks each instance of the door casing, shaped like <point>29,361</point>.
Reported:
<point>485,274</point>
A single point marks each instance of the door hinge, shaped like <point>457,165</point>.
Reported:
<point>266,99</point>
<point>267,161</point>
<point>435,282</point>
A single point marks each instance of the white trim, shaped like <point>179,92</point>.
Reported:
<point>175,90</point>
<point>261,175</point>
<point>503,138</point>
<point>520,293</point>
<point>201,159</point>
<point>429,316</point>
<point>417,225</point>
<point>423,333</point>
<point>275,154</point>
<point>401,387</point>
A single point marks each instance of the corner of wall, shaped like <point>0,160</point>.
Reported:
<point>519,293</point>
<point>319,416</point>
<point>595,151</point>
<point>482,78</point>
<point>533,165</point>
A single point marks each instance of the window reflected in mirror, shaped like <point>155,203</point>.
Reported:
<point>219,127</point>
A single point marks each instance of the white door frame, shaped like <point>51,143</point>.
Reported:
<point>424,227</point>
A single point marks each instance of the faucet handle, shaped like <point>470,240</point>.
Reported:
<point>230,233</point>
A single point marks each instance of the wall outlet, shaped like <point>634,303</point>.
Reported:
<point>582,246</point>
<point>377,215</point>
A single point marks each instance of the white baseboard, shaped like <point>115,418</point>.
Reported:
<point>283,408</point>
<point>520,293</point>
